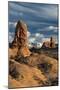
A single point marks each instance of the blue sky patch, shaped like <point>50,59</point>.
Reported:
<point>40,18</point>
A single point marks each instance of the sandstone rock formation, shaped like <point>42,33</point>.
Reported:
<point>36,70</point>
<point>52,43</point>
<point>20,39</point>
<point>49,44</point>
<point>28,69</point>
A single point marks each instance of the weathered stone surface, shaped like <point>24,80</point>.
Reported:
<point>52,43</point>
<point>20,39</point>
<point>39,70</point>
<point>49,44</point>
<point>27,76</point>
<point>28,69</point>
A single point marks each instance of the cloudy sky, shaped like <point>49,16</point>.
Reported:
<point>41,19</point>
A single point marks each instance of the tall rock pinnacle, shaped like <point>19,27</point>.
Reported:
<point>52,43</point>
<point>20,39</point>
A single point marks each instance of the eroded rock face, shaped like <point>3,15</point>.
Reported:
<point>26,69</point>
<point>20,39</point>
<point>52,43</point>
<point>49,44</point>
<point>35,70</point>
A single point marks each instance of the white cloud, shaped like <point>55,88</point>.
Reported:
<point>52,27</point>
<point>49,28</point>
<point>36,38</point>
<point>39,37</point>
<point>37,34</point>
<point>12,23</point>
<point>31,39</point>
<point>11,37</point>
<point>28,34</point>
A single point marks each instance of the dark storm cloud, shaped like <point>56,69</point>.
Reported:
<point>40,18</point>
